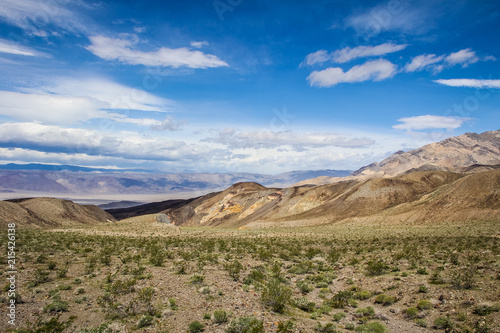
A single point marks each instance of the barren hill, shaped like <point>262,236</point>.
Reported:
<point>424,196</point>
<point>454,154</point>
<point>49,212</point>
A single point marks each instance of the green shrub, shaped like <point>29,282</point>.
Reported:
<point>372,327</point>
<point>424,305</point>
<point>363,295</point>
<point>145,320</point>
<point>304,304</point>
<point>341,299</point>
<point>304,287</point>
<point>276,295</point>
<point>328,328</point>
<point>385,300</point>
<point>57,305</point>
<point>197,279</point>
<point>484,309</point>
<point>367,312</point>
<point>423,288</point>
<point>246,325</point>
<point>196,327</point>
<point>285,327</point>
<point>421,322</point>
<point>376,267</point>
<point>338,316</point>
<point>220,316</point>
<point>234,268</point>
<point>443,323</point>
<point>411,312</point>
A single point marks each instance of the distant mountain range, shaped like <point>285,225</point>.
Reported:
<point>74,180</point>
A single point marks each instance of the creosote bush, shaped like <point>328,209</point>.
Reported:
<point>276,295</point>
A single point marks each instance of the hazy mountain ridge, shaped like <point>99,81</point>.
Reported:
<point>82,182</point>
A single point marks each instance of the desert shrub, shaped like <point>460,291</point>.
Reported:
<point>423,288</point>
<point>385,300</point>
<point>424,305</point>
<point>338,316</point>
<point>421,322</point>
<point>304,287</point>
<point>122,286</point>
<point>368,312</point>
<point>304,304</point>
<point>422,271</point>
<point>62,272</point>
<point>372,327</point>
<point>286,327</point>
<point>195,327</point>
<point>363,295</point>
<point>443,323</point>
<point>197,279</point>
<point>246,325</point>
<point>57,305</point>
<point>411,312</point>
<point>234,268</point>
<point>220,316</point>
<point>328,328</point>
<point>341,299</point>
<point>276,295</point>
<point>484,309</point>
<point>436,278</point>
<point>145,320</point>
<point>464,278</point>
<point>255,275</point>
<point>376,267</point>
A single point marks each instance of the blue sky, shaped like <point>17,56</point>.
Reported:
<point>239,85</point>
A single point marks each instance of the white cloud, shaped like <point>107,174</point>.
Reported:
<point>430,122</point>
<point>297,141</point>
<point>424,61</point>
<point>347,54</point>
<point>71,101</point>
<point>470,83</point>
<point>199,45</point>
<point>168,124</point>
<point>121,50</point>
<point>111,94</point>
<point>13,48</point>
<point>126,145</point>
<point>436,64</point>
<point>463,57</point>
<point>316,57</point>
<point>49,108</point>
<point>37,16</point>
<point>376,70</point>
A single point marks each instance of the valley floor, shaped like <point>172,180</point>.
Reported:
<point>137,275</point>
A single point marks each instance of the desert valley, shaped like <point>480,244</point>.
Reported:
<point>408,244</point>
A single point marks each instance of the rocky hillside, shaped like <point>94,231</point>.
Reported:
<point>421,196</point>
<point>455,154</point>
<point>49,213</point>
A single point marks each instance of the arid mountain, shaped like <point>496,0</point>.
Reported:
<point>454,154</point>
<point>49,213</point>
<point>421,196</point>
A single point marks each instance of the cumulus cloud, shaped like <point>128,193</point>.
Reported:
<point>470,83</point>
<point>297,141</point>
<point>347,54</point>
<point>430,122</point>
<point>376,70</point>
<point>123,50</point>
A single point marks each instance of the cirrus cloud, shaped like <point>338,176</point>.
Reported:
<point>430,122</point>
<point>470,83</point>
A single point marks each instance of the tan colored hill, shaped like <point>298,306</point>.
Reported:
<point>49,212</point>
<point>454,154</point>
<point>423,197</point>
